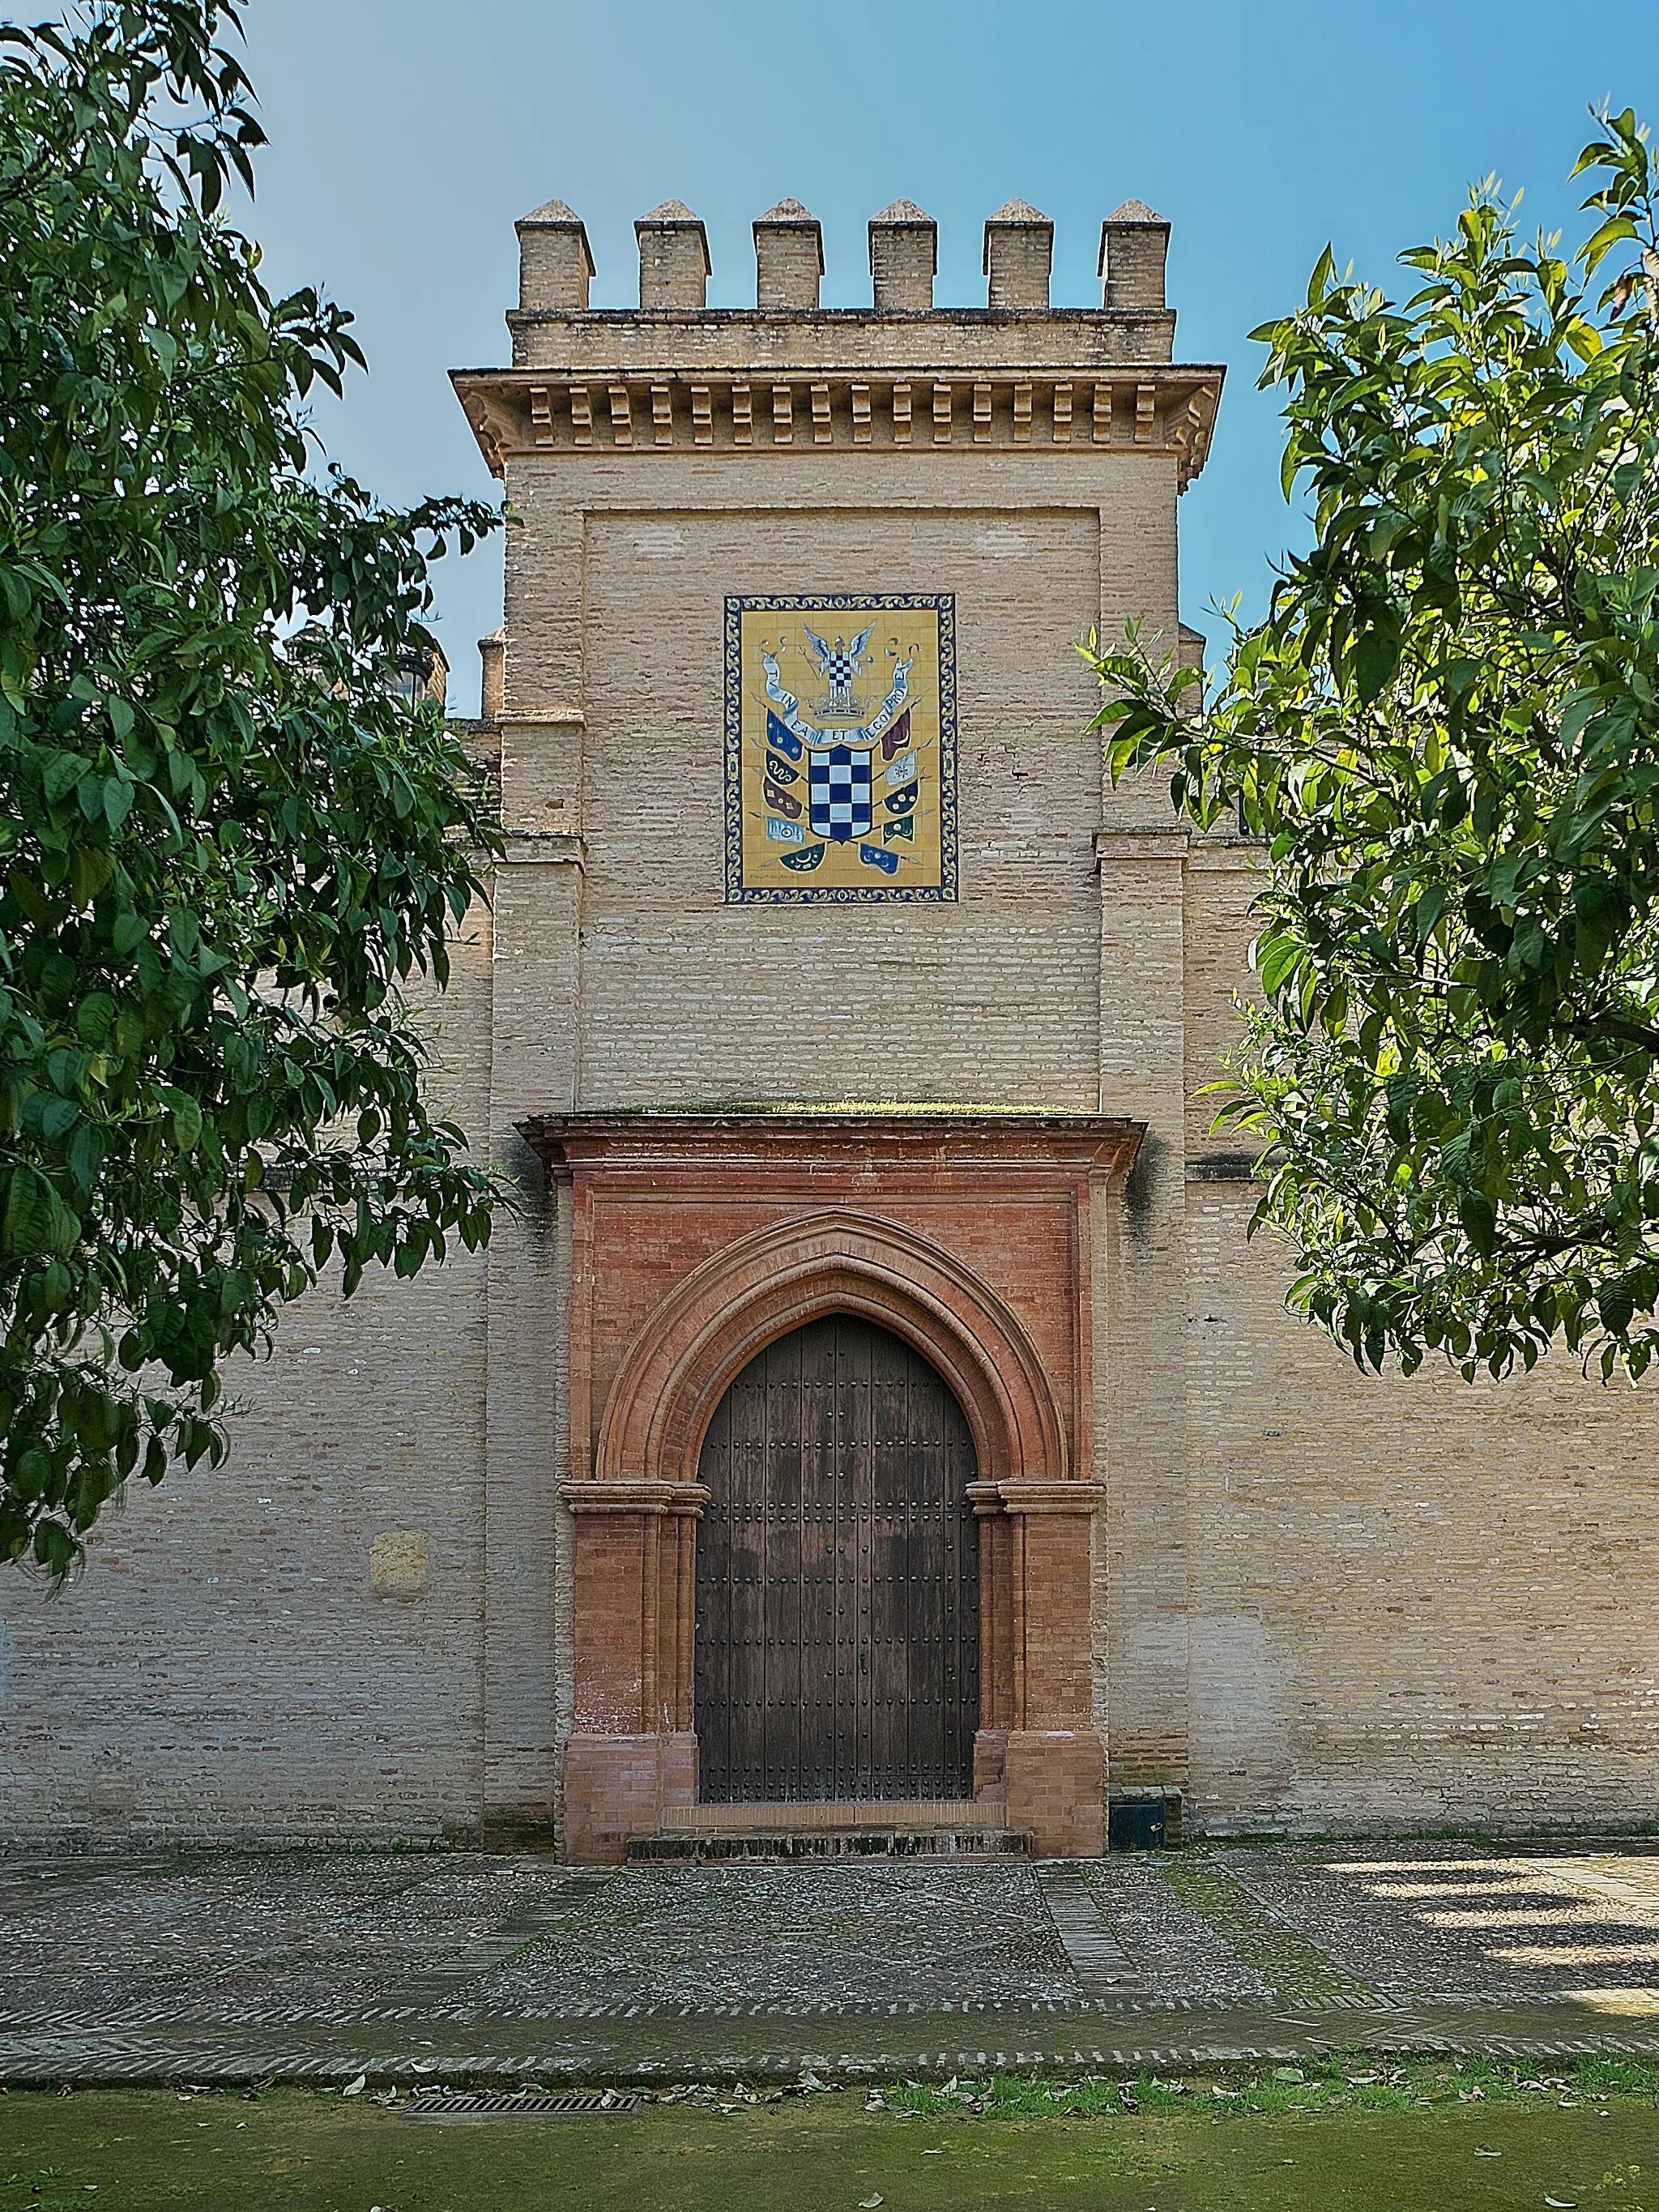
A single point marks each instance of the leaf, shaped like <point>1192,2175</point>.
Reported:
<point>1377,658</point>
<point>57,1115</point>
<point>354,2088</point>
<point>95,1018</point>
<point>1281,958</point>
<point>186,1122</point>
<point>1475,1211</point>
<point>86,1155</point>
<point>25,1221</point>
<point>1601,242</point>
<point>62,773</point>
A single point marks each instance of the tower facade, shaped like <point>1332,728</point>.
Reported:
<point>803,964</point>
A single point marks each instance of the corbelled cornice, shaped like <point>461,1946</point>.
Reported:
<point>623,409</point>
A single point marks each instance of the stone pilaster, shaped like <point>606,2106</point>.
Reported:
<point>631,1750</point>
<point>1055,1767</point>
<point>1143,1584</point>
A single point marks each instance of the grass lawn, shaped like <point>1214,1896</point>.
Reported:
<point>1352,2136</point>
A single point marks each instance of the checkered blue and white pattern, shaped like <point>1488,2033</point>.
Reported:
<point>841,805</point>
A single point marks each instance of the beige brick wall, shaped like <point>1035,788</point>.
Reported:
<point>1320,1600</point>
<point>1413,1602</point>
<point>990,999</point>
<point>224,1667</point>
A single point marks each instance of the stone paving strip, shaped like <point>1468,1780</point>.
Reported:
<point>1181,1955</point>
<point>1293,1969</point>
<point>707,2048</point>
<point>416,1966</point>
<point>1102,1968</point>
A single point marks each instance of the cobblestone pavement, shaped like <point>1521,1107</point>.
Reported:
<point>462,1964</point>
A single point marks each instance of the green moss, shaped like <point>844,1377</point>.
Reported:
<point>1295,1969</point>
<point>1397,2143</point>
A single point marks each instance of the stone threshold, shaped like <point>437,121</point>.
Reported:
<point>721,1847</point>
<point>913,1815</point>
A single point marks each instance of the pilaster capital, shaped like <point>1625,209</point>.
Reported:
<point>635,1495</point>
<point>1035,1494</point>
<point>558,848</point>
<point>555,717</point>
<point>1017,1494</point>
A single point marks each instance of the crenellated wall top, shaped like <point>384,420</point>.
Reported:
<point>555,261</point>
<point>789,377</point>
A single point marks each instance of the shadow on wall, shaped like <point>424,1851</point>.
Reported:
<point>1139,1186</point>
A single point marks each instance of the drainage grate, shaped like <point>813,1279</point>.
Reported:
<point>588,2105</point>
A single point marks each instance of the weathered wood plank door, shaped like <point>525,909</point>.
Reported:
<point>837,1635</point>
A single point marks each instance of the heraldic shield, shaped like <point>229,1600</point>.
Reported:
<point>840,800</point>
<point>841,748</point>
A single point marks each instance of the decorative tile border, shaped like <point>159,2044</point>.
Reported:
<point>740,893</point>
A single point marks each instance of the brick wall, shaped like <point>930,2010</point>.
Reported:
<point>226,1667</point>
<point>993,1000</point>
<point>1413,1602</point>
<point>1318,1601</point>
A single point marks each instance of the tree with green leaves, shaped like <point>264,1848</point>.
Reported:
<point>1446,735</point>
<point>229,843</point>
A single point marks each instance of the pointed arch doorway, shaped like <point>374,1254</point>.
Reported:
<point>836,1641</point>
<point>696,1241</point>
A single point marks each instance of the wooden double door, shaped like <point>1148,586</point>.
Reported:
<point>837,1576</point>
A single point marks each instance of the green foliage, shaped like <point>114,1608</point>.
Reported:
<point>1446,731</point>
<point>226,843</point>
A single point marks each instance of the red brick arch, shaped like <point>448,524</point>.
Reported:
<point>740,1300</point>
<point>746,1225</point>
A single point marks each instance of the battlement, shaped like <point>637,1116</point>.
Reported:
<point>556,264</point>
<point>791,375</point>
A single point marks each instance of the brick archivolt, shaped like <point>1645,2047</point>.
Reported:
<point>740,1300</point>
<point>518,412</point>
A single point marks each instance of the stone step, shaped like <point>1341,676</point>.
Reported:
<point>798,1815</point>
<point>726,1847</point>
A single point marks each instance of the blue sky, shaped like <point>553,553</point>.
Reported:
<point>406,136</point>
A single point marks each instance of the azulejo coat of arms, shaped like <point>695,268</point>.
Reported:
<point>841,748</point>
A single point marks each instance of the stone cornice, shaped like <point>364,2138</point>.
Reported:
<point>622,410</point>
<point>928,1138</point>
